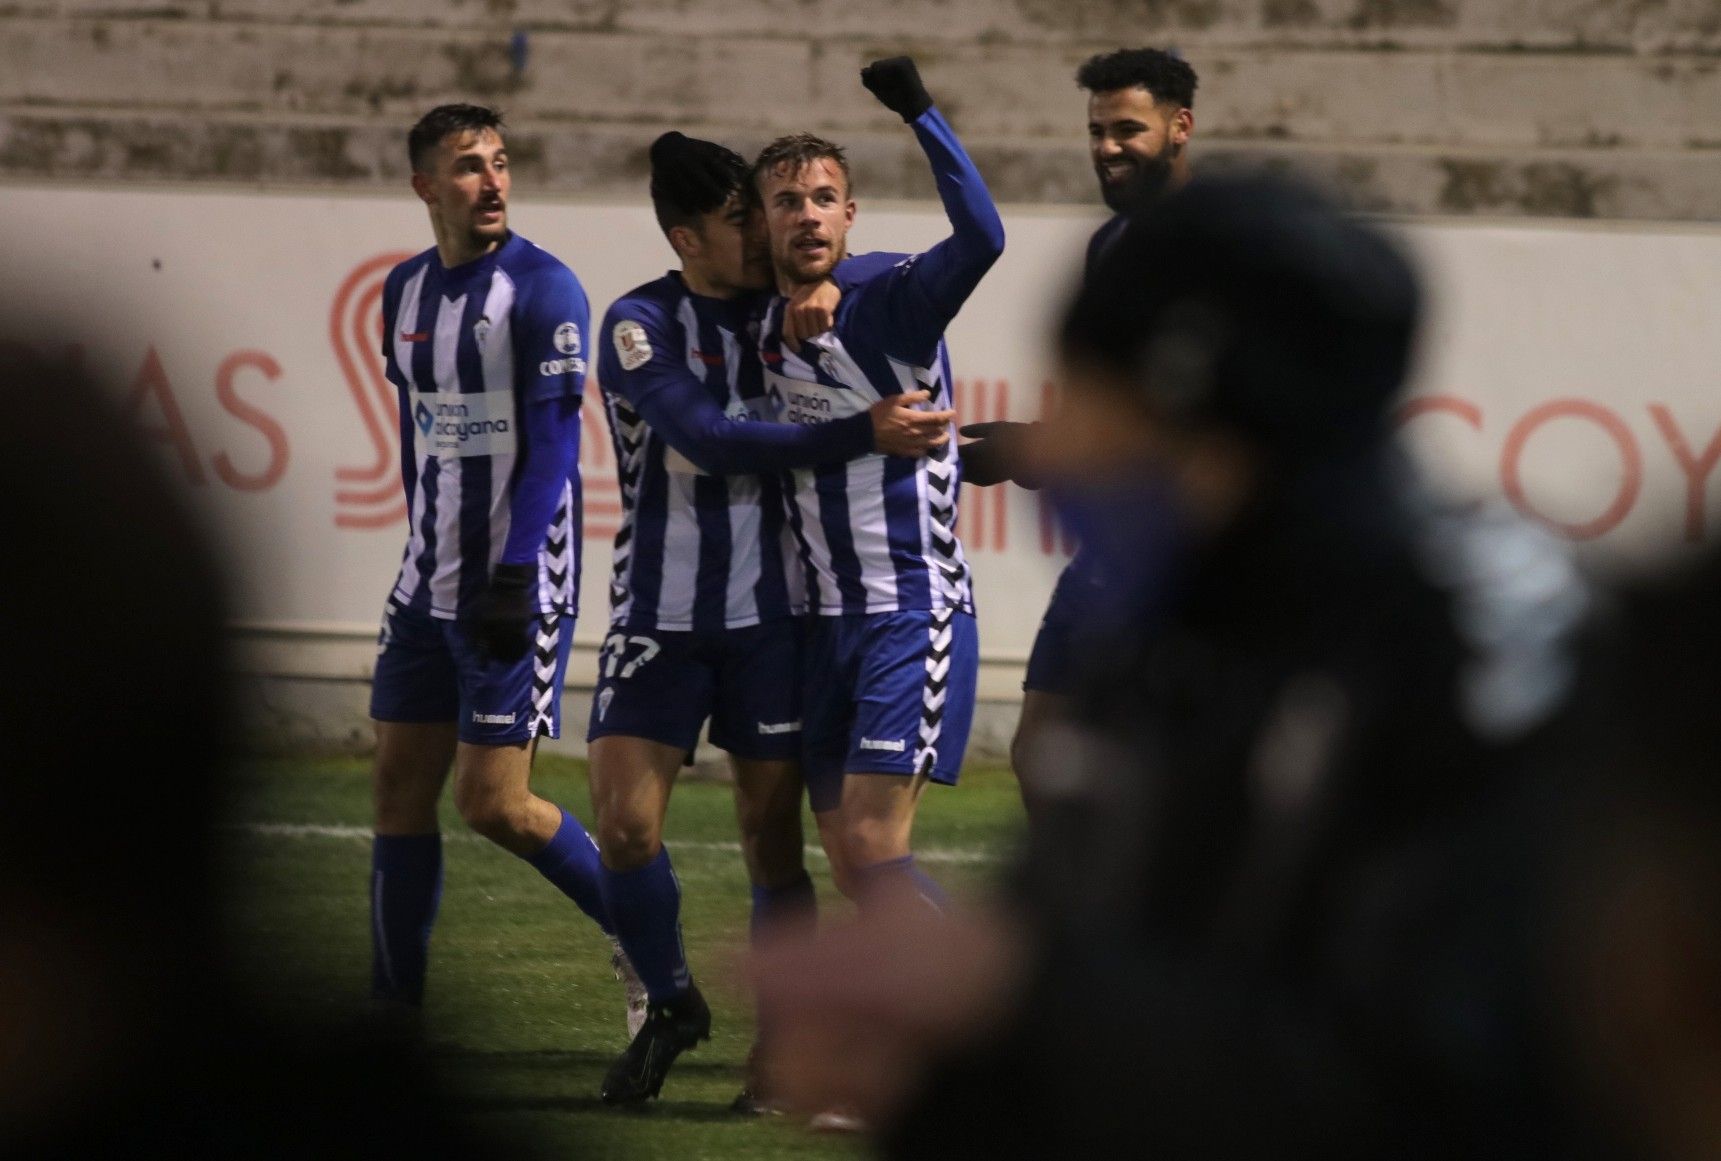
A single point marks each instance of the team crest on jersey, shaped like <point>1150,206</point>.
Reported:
<point>568,339</point>
<point>481,329</point>
<point>632,346</point>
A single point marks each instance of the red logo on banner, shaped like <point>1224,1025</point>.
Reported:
<point>368,496</point>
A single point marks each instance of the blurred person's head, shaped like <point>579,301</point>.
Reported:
<point>1140,117</point>
<point>114,722</point>
<point>1642,958</point>
<point>706,205</point>
<point>460,172</point>
<point>1239,332</point>
<point>803,184</point>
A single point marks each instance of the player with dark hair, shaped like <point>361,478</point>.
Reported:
<point>1141,105</point>
<point>484,337</point>
<point>704,594</point>
<point>892,651</point>
<point>1140,118</point>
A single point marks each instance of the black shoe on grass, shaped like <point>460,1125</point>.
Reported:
<point>670,1029</point>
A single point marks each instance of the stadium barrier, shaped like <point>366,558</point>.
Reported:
<point>1564,371</point>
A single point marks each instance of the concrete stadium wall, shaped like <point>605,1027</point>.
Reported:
<point>1563,108</point>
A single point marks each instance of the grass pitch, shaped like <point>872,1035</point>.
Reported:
<point>521,1007</point>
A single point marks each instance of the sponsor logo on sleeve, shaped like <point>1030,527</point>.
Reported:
<point>567,340</point>
<point>632,346</point>
<point>775,729</point>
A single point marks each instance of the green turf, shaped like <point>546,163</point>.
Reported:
<point>521,1006</point>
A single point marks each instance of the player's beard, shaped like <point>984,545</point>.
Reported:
<point>796,274</point>
<point>1148,179</point>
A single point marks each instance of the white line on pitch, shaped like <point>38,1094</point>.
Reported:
<point>301,830</point>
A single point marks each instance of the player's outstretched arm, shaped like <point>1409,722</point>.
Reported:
<point>638,365</point>
<point>998,452</point>
<point>948,273</point>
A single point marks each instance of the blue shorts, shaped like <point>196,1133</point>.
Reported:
<point>887,693</point>
<point>1054,665</point>
<point>431,670</point>
<point>661,686</point>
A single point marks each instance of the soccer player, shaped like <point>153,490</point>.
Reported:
<point>704,593</point>
<point>892,651</point>
<point>1140,118</point>
<point>484,336</point>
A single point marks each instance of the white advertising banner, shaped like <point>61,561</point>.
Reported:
<point>1564,369</point>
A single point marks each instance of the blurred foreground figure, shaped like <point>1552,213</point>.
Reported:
<point>1641,967</point>
<point>1281,898</point>
<point>121,1032</point>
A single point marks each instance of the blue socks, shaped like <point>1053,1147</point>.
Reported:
<point>646,905</point>
<point>405,890</point>
<point>876,876</point>
<point>570,861</point>
<point>789,910</point>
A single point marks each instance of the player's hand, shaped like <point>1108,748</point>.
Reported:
<point>1000,451</point>
<point>505,612</point>
<point>860,1011</point>
<point>691,171</point>
<point>900,428</point>
<point>896,83</point>
<point>812,310</point>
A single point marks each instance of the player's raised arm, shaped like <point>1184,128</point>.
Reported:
<point>947,274</point>
<point>550,379</point>
<point>639,365</point>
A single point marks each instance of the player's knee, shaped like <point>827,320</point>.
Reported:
<point>628,841</point>
<point>1021,746</point>
<point>771,844</point>
<point>869,841</point>
<point>489,814</point>
<point>773,858</point>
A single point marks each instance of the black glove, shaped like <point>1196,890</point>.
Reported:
<point>896,83</point>
<point>997,454</point>
<point>694,176</point>
<point>505,612</point>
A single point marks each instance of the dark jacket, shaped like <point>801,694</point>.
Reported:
<point>1286,896</point>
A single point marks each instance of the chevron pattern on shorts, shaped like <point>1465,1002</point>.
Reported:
<point>630,433</point>
<point>544,691</point>
<point>935,692</point>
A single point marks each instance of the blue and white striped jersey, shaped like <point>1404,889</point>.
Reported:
<point>703,543</point>
<point>878,534</point>
<point>489,361</point>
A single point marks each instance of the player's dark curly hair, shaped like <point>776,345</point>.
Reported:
<point>440,122</point>
<point>1168,77</point>
<point>796,151</point>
